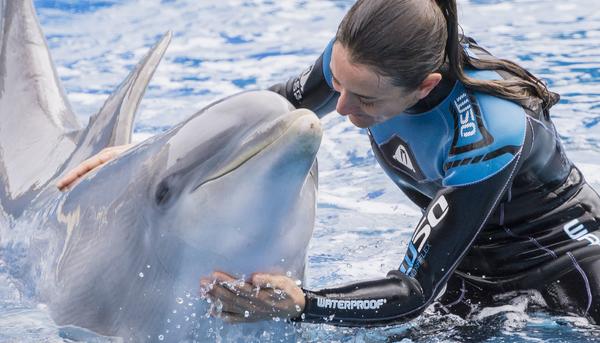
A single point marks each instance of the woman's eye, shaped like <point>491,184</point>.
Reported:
<point>366,104</point>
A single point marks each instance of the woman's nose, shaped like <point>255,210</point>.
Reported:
<point>345,105</point>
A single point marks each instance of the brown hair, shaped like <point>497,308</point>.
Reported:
<point>407,40</point>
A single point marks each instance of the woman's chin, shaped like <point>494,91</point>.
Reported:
<point>360,121</point>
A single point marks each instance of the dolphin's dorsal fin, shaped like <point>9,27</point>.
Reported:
<point>35,116</point>
<point>113,124</point>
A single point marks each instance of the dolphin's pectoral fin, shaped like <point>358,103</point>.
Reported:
<point>113,124</point>
<point>34,112</point>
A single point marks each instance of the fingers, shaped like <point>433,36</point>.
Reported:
<point>229,301</point>
<point>73,175</point>
<point>236,286</point>
<point>91,163</point>
<point>266,296</point>
<point>235,300</point>
<point>272,281</point>
<point>284,283</point>
<point>222,276</point>
<point>81,170</point>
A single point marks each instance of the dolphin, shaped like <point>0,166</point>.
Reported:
<point>231,188</point>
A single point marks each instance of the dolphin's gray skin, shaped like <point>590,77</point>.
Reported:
<point>232,188</point>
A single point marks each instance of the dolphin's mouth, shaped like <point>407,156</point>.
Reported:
<point>283,126</point>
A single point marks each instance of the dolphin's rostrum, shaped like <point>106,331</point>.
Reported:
<point>232,188</point>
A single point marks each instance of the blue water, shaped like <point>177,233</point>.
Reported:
<point>224,46</point>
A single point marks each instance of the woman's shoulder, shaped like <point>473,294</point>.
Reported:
<point>488,133</point>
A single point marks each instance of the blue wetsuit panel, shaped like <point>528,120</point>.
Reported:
<point>326,61</point>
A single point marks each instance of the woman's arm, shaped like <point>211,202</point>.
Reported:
<point>441,239</point>
<point>311,89</point>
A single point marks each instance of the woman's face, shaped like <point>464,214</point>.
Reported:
<point>366,97</point>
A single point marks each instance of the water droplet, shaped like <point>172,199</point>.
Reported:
<point>178,326</point>
<point>147,266</point>
<point>161,337</point>
<point>283,260</point>
<point>179,301</point>
<point>246,314</point>
<point>168,320</point>
<point>288,273</point>
<point>193,315</point>
<point>141,275</point>
<point>187,319</point>
<point>276,319</point>
<point>174,311</point>
<point>298,309</point>
<point>187,294</point>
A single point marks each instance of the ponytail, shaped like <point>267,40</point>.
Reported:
<point>407,40</point>
<point>520,85</point>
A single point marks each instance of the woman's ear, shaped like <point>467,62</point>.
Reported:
<point>429,84</point>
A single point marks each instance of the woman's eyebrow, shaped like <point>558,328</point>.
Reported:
<point>366,97</point>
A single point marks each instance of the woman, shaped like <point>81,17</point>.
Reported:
<point>468,138</point>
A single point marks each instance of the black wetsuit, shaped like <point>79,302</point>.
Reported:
<point>504,208</point>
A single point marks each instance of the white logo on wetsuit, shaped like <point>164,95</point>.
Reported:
<point>298,85</point>
<point>430,220</point>
<point>466,116</point>
<point>401,155</point>
<point>373,304</point>
<point>580,233</point>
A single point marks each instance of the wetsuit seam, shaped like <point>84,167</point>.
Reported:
<point>532,240</point>
<point>542,124</point>
<point>462,295</point>
<point>532,135</point>
<point>585,278</point>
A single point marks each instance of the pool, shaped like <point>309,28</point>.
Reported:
<point>222,47</point>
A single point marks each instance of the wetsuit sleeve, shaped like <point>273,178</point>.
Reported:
<point>311,89</point>
<point>451,222</point>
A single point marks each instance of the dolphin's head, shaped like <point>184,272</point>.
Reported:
<point>236,178</point>
<point>233,188</point>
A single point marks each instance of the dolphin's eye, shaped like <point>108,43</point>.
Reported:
<point>163,193</point>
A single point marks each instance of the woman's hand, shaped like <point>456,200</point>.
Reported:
<point>105,155</point>
<point>263,297</point>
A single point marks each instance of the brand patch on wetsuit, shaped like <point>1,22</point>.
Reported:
<point>469,131</point>
<point>418,246</point>
<point>580,233</point>
<point>398,154</point>
<point>298,85</point>
<point>373,304</point>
